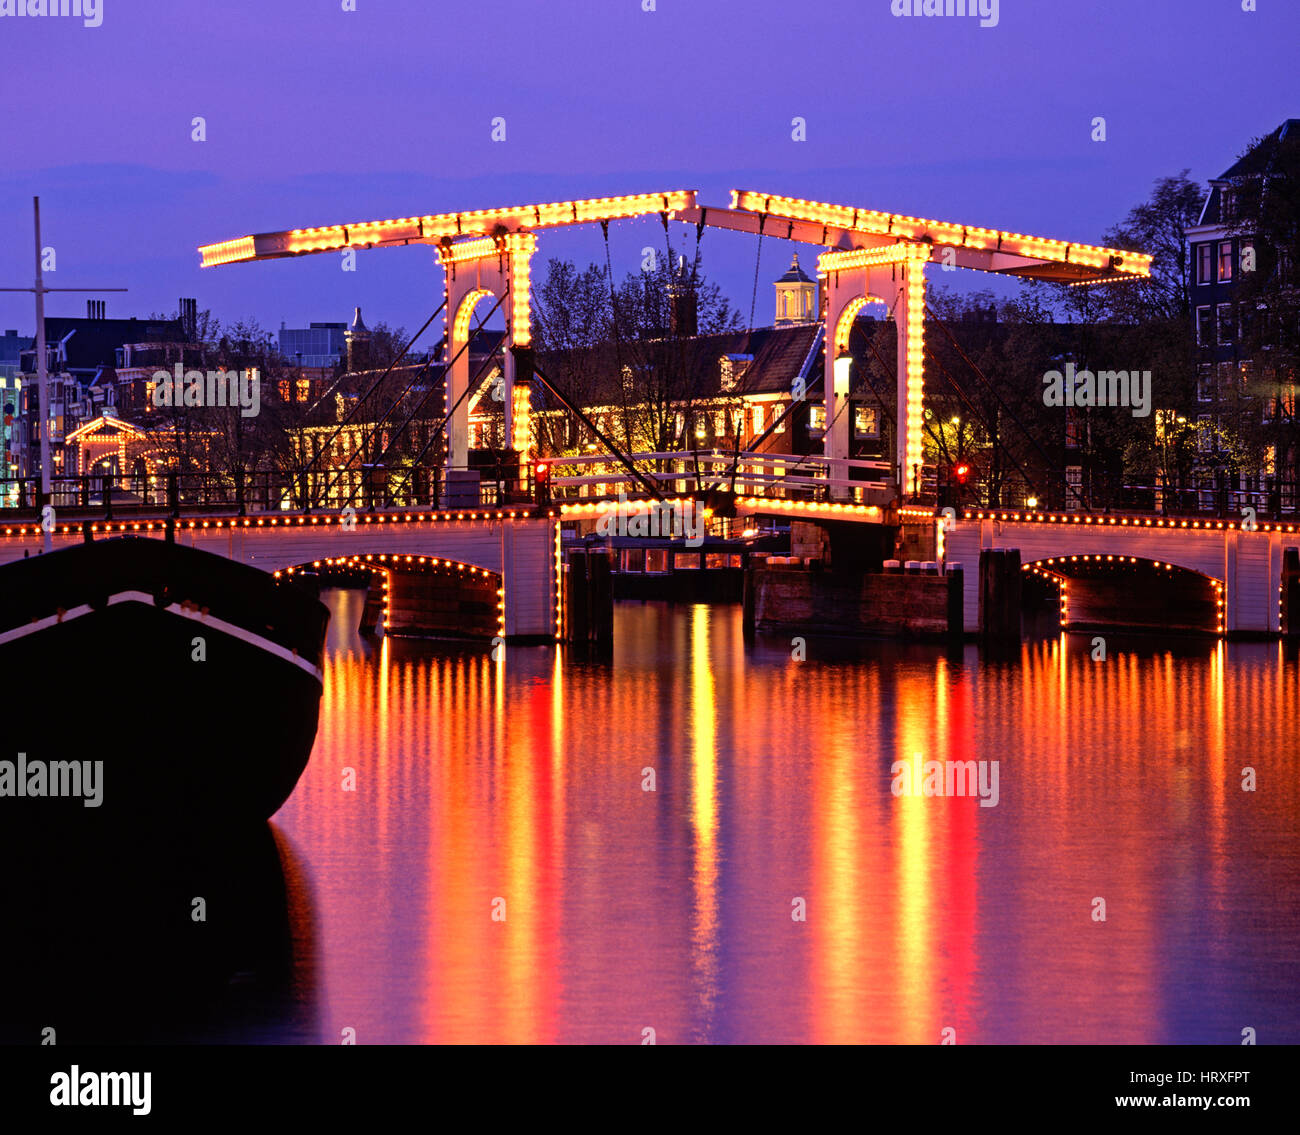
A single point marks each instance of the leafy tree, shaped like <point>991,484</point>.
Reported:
<point>1157,227</point>
<point>621,350</point>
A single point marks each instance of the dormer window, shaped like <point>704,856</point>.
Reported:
<point>732,369</point>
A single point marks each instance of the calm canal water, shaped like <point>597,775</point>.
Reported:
<point>626,909</point>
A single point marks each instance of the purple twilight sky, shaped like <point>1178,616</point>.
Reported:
<point>317,115</point>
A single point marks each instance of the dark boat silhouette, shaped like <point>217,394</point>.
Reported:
<point>109,949</point>
<point>193,680</point>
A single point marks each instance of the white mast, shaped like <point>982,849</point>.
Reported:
<point>42,374</point>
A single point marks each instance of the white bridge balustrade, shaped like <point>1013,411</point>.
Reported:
<point>520,547</point>
<point>772,475</point>
<point>1242,566</point>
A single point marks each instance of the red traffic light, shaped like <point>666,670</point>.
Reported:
<point>961,474</point>
<point>541,471</point>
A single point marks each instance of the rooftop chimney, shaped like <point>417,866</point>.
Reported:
<point>683,314</point>
<point>189,315</point>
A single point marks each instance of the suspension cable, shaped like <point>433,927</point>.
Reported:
<point>753,299</point>
<point>373,387</point>
<point>470,388</point>
<point>329,488</point>
<point>623,460</point>
<point>442,426</point>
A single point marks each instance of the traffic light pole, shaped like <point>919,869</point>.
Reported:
<point>43,378</point>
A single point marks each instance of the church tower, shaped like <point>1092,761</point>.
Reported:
<point>358,341</point>
<point>796,297</point>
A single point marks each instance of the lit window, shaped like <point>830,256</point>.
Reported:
<point>728,380</point>
<point>1073,486</point>
<point>1225,261</point>
<point>686,561</point>
<point>1073,430</point>
<point>866,421</point>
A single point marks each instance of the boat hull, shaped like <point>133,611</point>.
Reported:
<point>185,688</point>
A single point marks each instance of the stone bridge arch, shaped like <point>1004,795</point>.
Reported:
<point>419,595</point>
<point>1246,563</point>
<point>1102,589</point>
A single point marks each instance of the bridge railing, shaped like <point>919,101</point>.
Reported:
<point>775,475</point>
<point>105,495</point>
<point>595,476</point>
<point>1069,491</point>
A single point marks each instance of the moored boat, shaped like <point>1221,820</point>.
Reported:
<point>154,683</point>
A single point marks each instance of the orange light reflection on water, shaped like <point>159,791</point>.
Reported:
<point>524,779</point>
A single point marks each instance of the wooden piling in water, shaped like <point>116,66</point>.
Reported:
<point>600,596</point>
<point>1000,588</point>
<point>956,601</point>
<point>589,596</point>
<point>1290,597</point>
<point>752,563</point>
<point>576,613</point>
